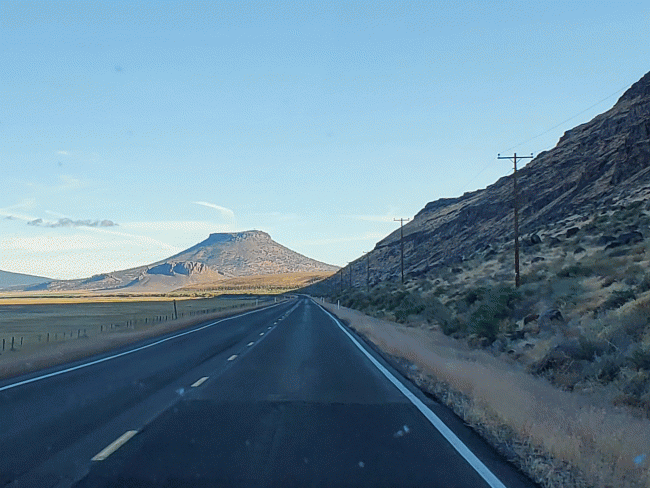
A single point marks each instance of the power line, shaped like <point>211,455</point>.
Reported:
<point>543,133</point>
<point>569,119</point>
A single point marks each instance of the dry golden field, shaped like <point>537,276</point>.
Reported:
<point>258,284</point>
<point>33,321</point>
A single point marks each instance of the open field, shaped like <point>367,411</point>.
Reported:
<point>559,438</point>
<point>33,323</point>
<point>258,284</point>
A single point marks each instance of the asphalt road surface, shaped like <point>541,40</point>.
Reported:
<point>285,396</point>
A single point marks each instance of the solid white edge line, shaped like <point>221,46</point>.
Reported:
<point>130,351</point>
<point>114,446</point>
<point>446,432</point>
<point>199,382</point>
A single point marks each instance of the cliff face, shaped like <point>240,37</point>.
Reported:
<point>593,167</point>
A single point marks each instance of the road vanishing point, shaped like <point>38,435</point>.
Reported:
<point>277,397</point>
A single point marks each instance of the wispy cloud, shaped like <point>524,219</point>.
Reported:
<point>65,222</point>
<point>63,153</point>
<point>225,212</point>
<point>13,212</point>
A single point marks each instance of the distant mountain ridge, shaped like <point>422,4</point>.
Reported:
<point>594,166</point>
<point>9,279</point>
<point>219,257</point>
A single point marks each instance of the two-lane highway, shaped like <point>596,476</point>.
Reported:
<point>53,422</point>
<point>281,397</point>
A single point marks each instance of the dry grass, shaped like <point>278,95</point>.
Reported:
<point>559,438</point>
<point>276,283</point>
<point>36,323</point>
<point>36,356</point>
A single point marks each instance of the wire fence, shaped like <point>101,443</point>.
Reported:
<point>16,342</point>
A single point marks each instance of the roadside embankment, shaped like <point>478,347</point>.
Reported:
<point>558,438</point>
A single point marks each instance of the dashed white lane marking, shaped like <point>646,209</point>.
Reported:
<point>250,344</point>
<point>446,432</point>
<point>261,333</point>
<point>232,357</point>
<point>131,351</point>
<point>198,383</point>
<point>269,328</point>
<point>115,445</point>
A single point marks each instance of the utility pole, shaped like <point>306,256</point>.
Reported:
<point>401,240</point>
<point>350,264</point>
<point>515,199</point>
<point>367,270</point>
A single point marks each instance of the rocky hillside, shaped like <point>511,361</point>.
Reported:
<point>248,253</point>
<point>594,167</point>
<point>580,318</point>
<point>219,257</point>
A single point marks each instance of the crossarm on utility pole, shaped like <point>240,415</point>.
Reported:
<point>401,240</point>
<point>515,199</point>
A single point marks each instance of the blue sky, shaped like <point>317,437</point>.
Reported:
<point>132,130</point>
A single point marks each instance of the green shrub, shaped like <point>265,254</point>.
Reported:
<point>619,298</point>
<point>474,295</point>
<point>497,305</point>
<point>410,304</point>
<point>436,311</point>
<point>641,359</point>
<point>644,284</point>
<point>440,290</point>
<point>608,371</point>
<point>574,271</point>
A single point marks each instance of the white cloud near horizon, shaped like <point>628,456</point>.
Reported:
<point>225,212</point>
<point>65,222</point>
